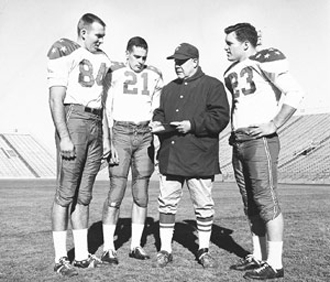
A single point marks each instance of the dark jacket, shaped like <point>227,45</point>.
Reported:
<point>202,100</point>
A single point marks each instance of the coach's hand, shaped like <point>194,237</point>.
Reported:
<point>182,126</point>
<point>67,148</point>
<point>263,129</point>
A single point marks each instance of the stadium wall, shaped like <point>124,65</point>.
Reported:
<point>304,156</point>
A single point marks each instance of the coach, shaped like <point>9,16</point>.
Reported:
<point>193,111</point>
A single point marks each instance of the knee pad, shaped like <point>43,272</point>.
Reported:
<point>268,214</point>
<point>84,199</point>
<point>141,202</point>
<point>62,200</point>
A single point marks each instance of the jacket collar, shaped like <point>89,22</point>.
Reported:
<point>199,73</point>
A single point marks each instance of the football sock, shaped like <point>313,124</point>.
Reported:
<point>204,227</point>
<point>59,238</point>
<point>275,250</point>
<point>80,244</point>
<point>259,247</point>
<point>137,230</point>
<point>108,236</point>
<point>166,230</point>
<point>166,235</point>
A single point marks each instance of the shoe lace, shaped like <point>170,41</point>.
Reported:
<point>65,263</point>
<point>93,257</point>
<point>263,268</point>
<point>141,251</point>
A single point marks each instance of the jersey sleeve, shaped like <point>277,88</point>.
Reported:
<point>58,65</point>
<point>274,66</point>
<point>158,89</point>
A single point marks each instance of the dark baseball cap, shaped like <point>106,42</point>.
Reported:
<point>184,51</point>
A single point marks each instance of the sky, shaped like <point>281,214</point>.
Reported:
<point>28,28</point>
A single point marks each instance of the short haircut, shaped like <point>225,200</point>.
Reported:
<point>244,32</point>
<point>138,42</point>
<point>88,19</point>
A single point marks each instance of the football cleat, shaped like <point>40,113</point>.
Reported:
<point>64,268</point>
<point>247,263</point>
<point>264,272</point>
<point>139,253</point>
<point>205,259</point>
<point>110,257</point>
<point>163,258</point>
<point>91,262</point>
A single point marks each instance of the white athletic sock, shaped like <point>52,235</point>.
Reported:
<point>259,247</point>
<point>59,238</point>
<point>204,239</point>
<point>275,250</point>
<point>166,235</point>
<point>108,236</point>
<point>80,244</point>
<point>137,230</point>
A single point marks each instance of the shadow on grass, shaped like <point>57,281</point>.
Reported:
<point>184,234</point>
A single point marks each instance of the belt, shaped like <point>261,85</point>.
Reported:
<point>94,111</point>
<point>130,123</point>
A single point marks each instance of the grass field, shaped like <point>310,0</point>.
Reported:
<point>27,249</point>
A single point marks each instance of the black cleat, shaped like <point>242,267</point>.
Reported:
<point>264,272</point>
<point>139,253</point>
<point>205,259</point>
<point>110,257</point>
<point>247,263</point>
<point>91,262</point>
<point>64,268</point>
<point>163,258</point>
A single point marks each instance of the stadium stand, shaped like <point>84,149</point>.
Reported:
<point>304,157</point>
<point>305,151</point>
<point>22,156</point>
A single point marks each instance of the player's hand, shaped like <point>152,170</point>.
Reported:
<point>114,157</point>
<point>182,126</point>
<point>67,149</point>
<point>263,129</point>
<point>106,149</point>
<point>156,126</point>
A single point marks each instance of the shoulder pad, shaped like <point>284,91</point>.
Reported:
<point>152,68</point>
<point>116,65</point>
<point>61,48</point>
<point>268,55</point>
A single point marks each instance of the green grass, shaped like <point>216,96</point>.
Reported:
<point>27,249</point>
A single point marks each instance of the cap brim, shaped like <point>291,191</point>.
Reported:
<point>178,57</point>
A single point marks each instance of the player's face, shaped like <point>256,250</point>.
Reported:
<point>93,37</point>
<point>185,68</point>
<point>136,58</point>
<point>234,48</point>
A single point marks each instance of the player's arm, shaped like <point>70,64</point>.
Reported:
<point>293,96</point>
<point>105,128</point>
<point>56,103</point>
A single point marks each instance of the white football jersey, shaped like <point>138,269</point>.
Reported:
<point>133,96</point>
<point>259,85</point>
<point>79,70</point>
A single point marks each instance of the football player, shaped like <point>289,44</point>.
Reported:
<point>264,97</point>
<point>134,94</point>
<point>76,71</point>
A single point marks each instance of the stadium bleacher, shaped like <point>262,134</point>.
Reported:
<point>305,150</point>
<point>22,156</point>
<point>304,156</point>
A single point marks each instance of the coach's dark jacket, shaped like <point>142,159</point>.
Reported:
<point>202,100</point>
